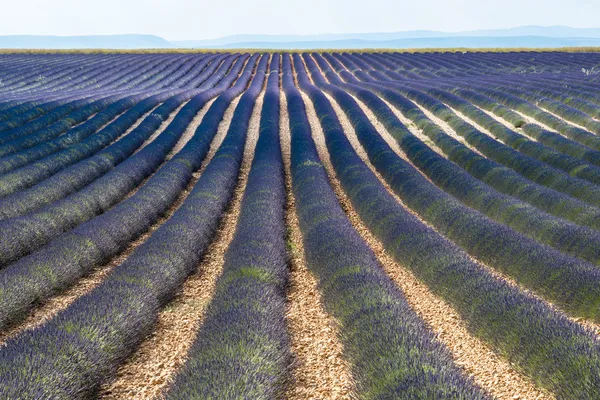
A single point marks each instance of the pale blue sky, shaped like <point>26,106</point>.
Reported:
<point>194,19</point>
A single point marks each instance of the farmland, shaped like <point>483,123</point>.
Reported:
<point>330,225</point>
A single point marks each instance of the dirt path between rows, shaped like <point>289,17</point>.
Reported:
<point>40,315</point>
<point>319,370</point>
<point>154,364</point>
<point>477,360</point>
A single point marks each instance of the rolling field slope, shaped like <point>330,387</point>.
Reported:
<point>300,225</point>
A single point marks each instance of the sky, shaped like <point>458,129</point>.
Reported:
<point>197,19</point>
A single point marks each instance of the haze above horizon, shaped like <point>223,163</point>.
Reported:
<point>192,20</point>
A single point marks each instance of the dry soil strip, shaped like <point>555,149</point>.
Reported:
<point>153,366</point>
<point>319,370</point>
<point>40,315</point>
<point>487,369</point>
<point>506,123</point>
<point>534,121</point>
<point>132,127</point>
<point>574,124</point>
<point>414,129</point>
<point>393,144</point>
<point>191,129</point>
<point>448,129</point>
<point>162,127</point>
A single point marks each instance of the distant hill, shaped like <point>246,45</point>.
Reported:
<point>419,43</point>
<point>84,42</point>
<point>524,36</point>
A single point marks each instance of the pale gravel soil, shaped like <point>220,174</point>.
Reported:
<point>40,315</point>
<point>161,128</point>
<point>447,129</point>
<point>390,140</point>
<point>414,129</point>
<point>132,127</point>
<point>575,124</point>
<point>319,370</point>
<point>477,360</point>
<point>504,122</point>
<point>154,364</point>
<point>534,121</point>
<point>191,129</point>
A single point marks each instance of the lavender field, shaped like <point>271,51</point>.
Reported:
<point>294,226</point>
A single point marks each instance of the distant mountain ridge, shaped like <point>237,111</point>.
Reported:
<point>420,43</point>
<point>519,36</point>
<point>523,36</point>
<point>84,42</point>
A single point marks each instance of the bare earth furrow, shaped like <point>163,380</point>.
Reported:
<point>153,365</point>
<point>319,369</point>
<point>315,225</point>
<point>54,305</point>
<point>488,369</point>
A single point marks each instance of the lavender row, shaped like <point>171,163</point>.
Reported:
<point>128,300</point>
<point>391,351</point>
<point>541,342</point>
<point>244,331</point>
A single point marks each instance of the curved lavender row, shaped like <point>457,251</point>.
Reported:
<point>73,254</point>
<point>67,81</point>
<point>29,175</point>
<point>56,71</point>
<point>560,278</point>
<point>549,100</point>
<point>548,138</point>
<point>244,332</point>
<point>38,111</point>
<point>563,235</point>
<point>128,77</point>
<point>149,75</point>
<point>571,165</point>
<point>83,132</point>
<point>501,178</point>
<point>43,114</point>
<point>21,73</point>
<point>555,352</point>
<point>27,85</point>
<point>519,142</point>
<point>23,70</point>
<point>26,106</point>
<point>102,111</point>
<point>575,133</point>
<point>52,117</point>
<point>574,102</point>
<point>118,70</point>
<point>572,132</point>
<point>69,180</point>
<point>36,132</point>
<point>568,281</point>
<point>499,154</point>
<point>80,173</point>
<point>30,231</point>
<point>554,86</point>
<point>392,352</point>
<point>86,77</point>
<point>581,105</point>
<point>128,300</point>
<point>89,146</point>
<point>531,168</point>
<point>77,134</point>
